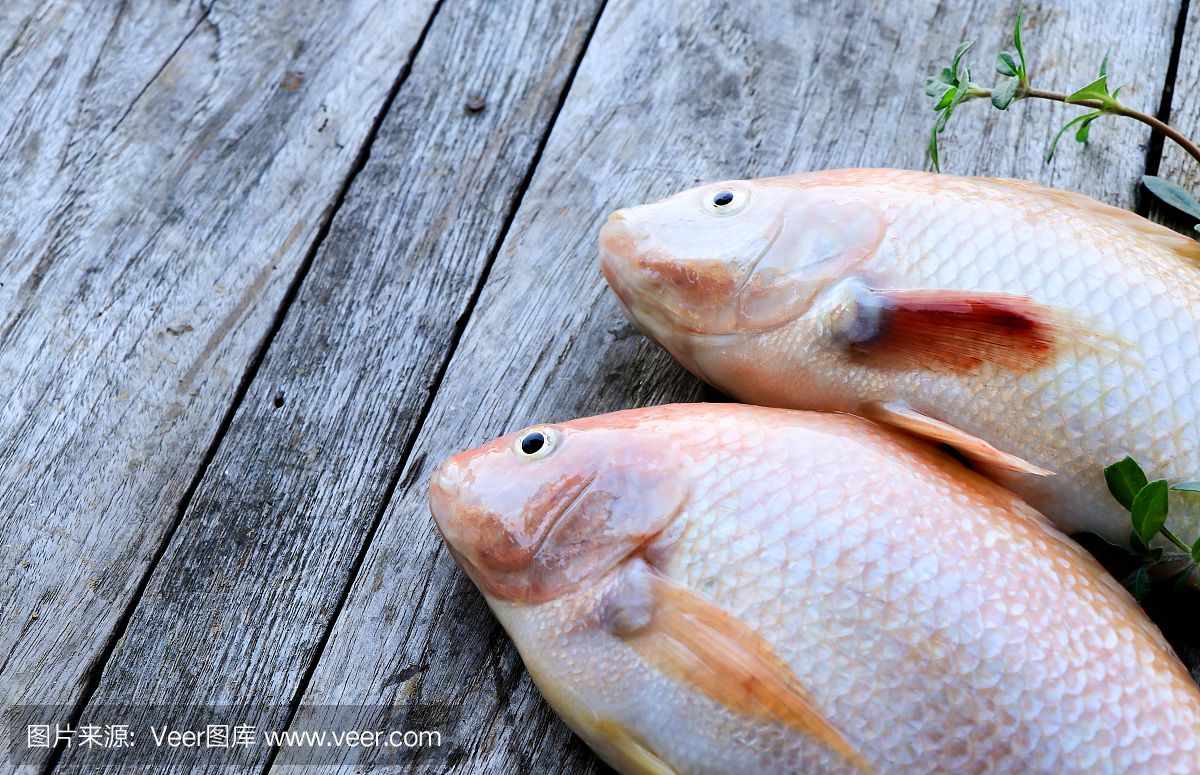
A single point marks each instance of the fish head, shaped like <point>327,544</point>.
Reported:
<point>734,258</point>
<point>571,531</point>
<point>533,515</point>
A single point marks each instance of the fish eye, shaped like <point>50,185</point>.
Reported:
<point>535,443</point>
<point>725,201</point>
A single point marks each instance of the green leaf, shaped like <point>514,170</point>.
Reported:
<point>1180,578</point>
<point>962,49</point>
<point>938,85</point>
<point>1006,65</point>
<point>1104,65</point>
<point>1186,487</point>
<point>1125,480</point>
<point>1138,583</point>
<point>1096,90</point>
<point>1149,510</point>
<point>933,148</point>
<point>938,91</point>
<point>1173,194</point>
<point>1196,550</point>
<point>1017,39</point>
<point>1085,127</point>
<point>1088,117</point>
<point>1003,95</point>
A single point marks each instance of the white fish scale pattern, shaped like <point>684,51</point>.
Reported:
<point>890,587</point>
<point>1135,390</point>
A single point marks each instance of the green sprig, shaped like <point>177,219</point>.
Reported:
<point>1148,505</point>
<point>953,85</point>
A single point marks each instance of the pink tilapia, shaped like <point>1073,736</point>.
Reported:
<point>724,588</point>
<point>1038,331</point>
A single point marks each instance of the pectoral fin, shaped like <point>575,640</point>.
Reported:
<point>955,331</point>
<point>701,645</point>
<point>900,415</point>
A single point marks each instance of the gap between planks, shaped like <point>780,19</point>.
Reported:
<point>1156,148</point>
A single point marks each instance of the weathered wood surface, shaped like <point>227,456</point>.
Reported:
<point>185,158</point>
<point>166,169</point>
<point>1184,106</point>
<point>668,94</point>
<point>236,609</point>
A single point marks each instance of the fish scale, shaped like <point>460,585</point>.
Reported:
<point>935,621</point>
<point>1124,377</point>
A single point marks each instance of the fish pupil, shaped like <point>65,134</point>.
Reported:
<point>532,443</point>
<point>722,198</point>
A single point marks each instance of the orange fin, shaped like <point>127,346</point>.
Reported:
<point>900,415</point>
<point>702,645</point>
<point>955,331</point>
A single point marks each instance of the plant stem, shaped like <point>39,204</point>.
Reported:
<point>1147,119</point>
<point>1175,540</point>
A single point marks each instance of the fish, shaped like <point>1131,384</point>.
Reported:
<point>716,588</point>
<point>1042,334</point>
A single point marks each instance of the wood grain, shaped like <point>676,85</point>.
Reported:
<point>167,168</point>
<point>669,94</point>
<point>235,612</point>
<point>1184,114</point>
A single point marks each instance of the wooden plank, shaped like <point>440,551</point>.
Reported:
<point>670,93</point>
<point>167,169</point>
<point>236,610</point>
<point>1175,163</point>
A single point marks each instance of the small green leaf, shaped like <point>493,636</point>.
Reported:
<point>1104,65</point>
<point>1125,480</point>
<point>1017,39</point>
<point>1149,510</point>
<point>1180,578</point>
<point>1096,90</point>
<point>1003,95</point>
<point>1196,550</point>
<point>938,85</point>
<point>1084,127</point>
<point>946,99</point>
<point>1006,65</point>
<point>933,148</point>
<point>1187,487</point>
<point>1173,194</point>
<point>1138,583</point>
<point>1086,117</point>
<point>962,49</point>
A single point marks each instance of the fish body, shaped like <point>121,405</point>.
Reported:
<point>1039,325</point>
<point>726,588</point>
